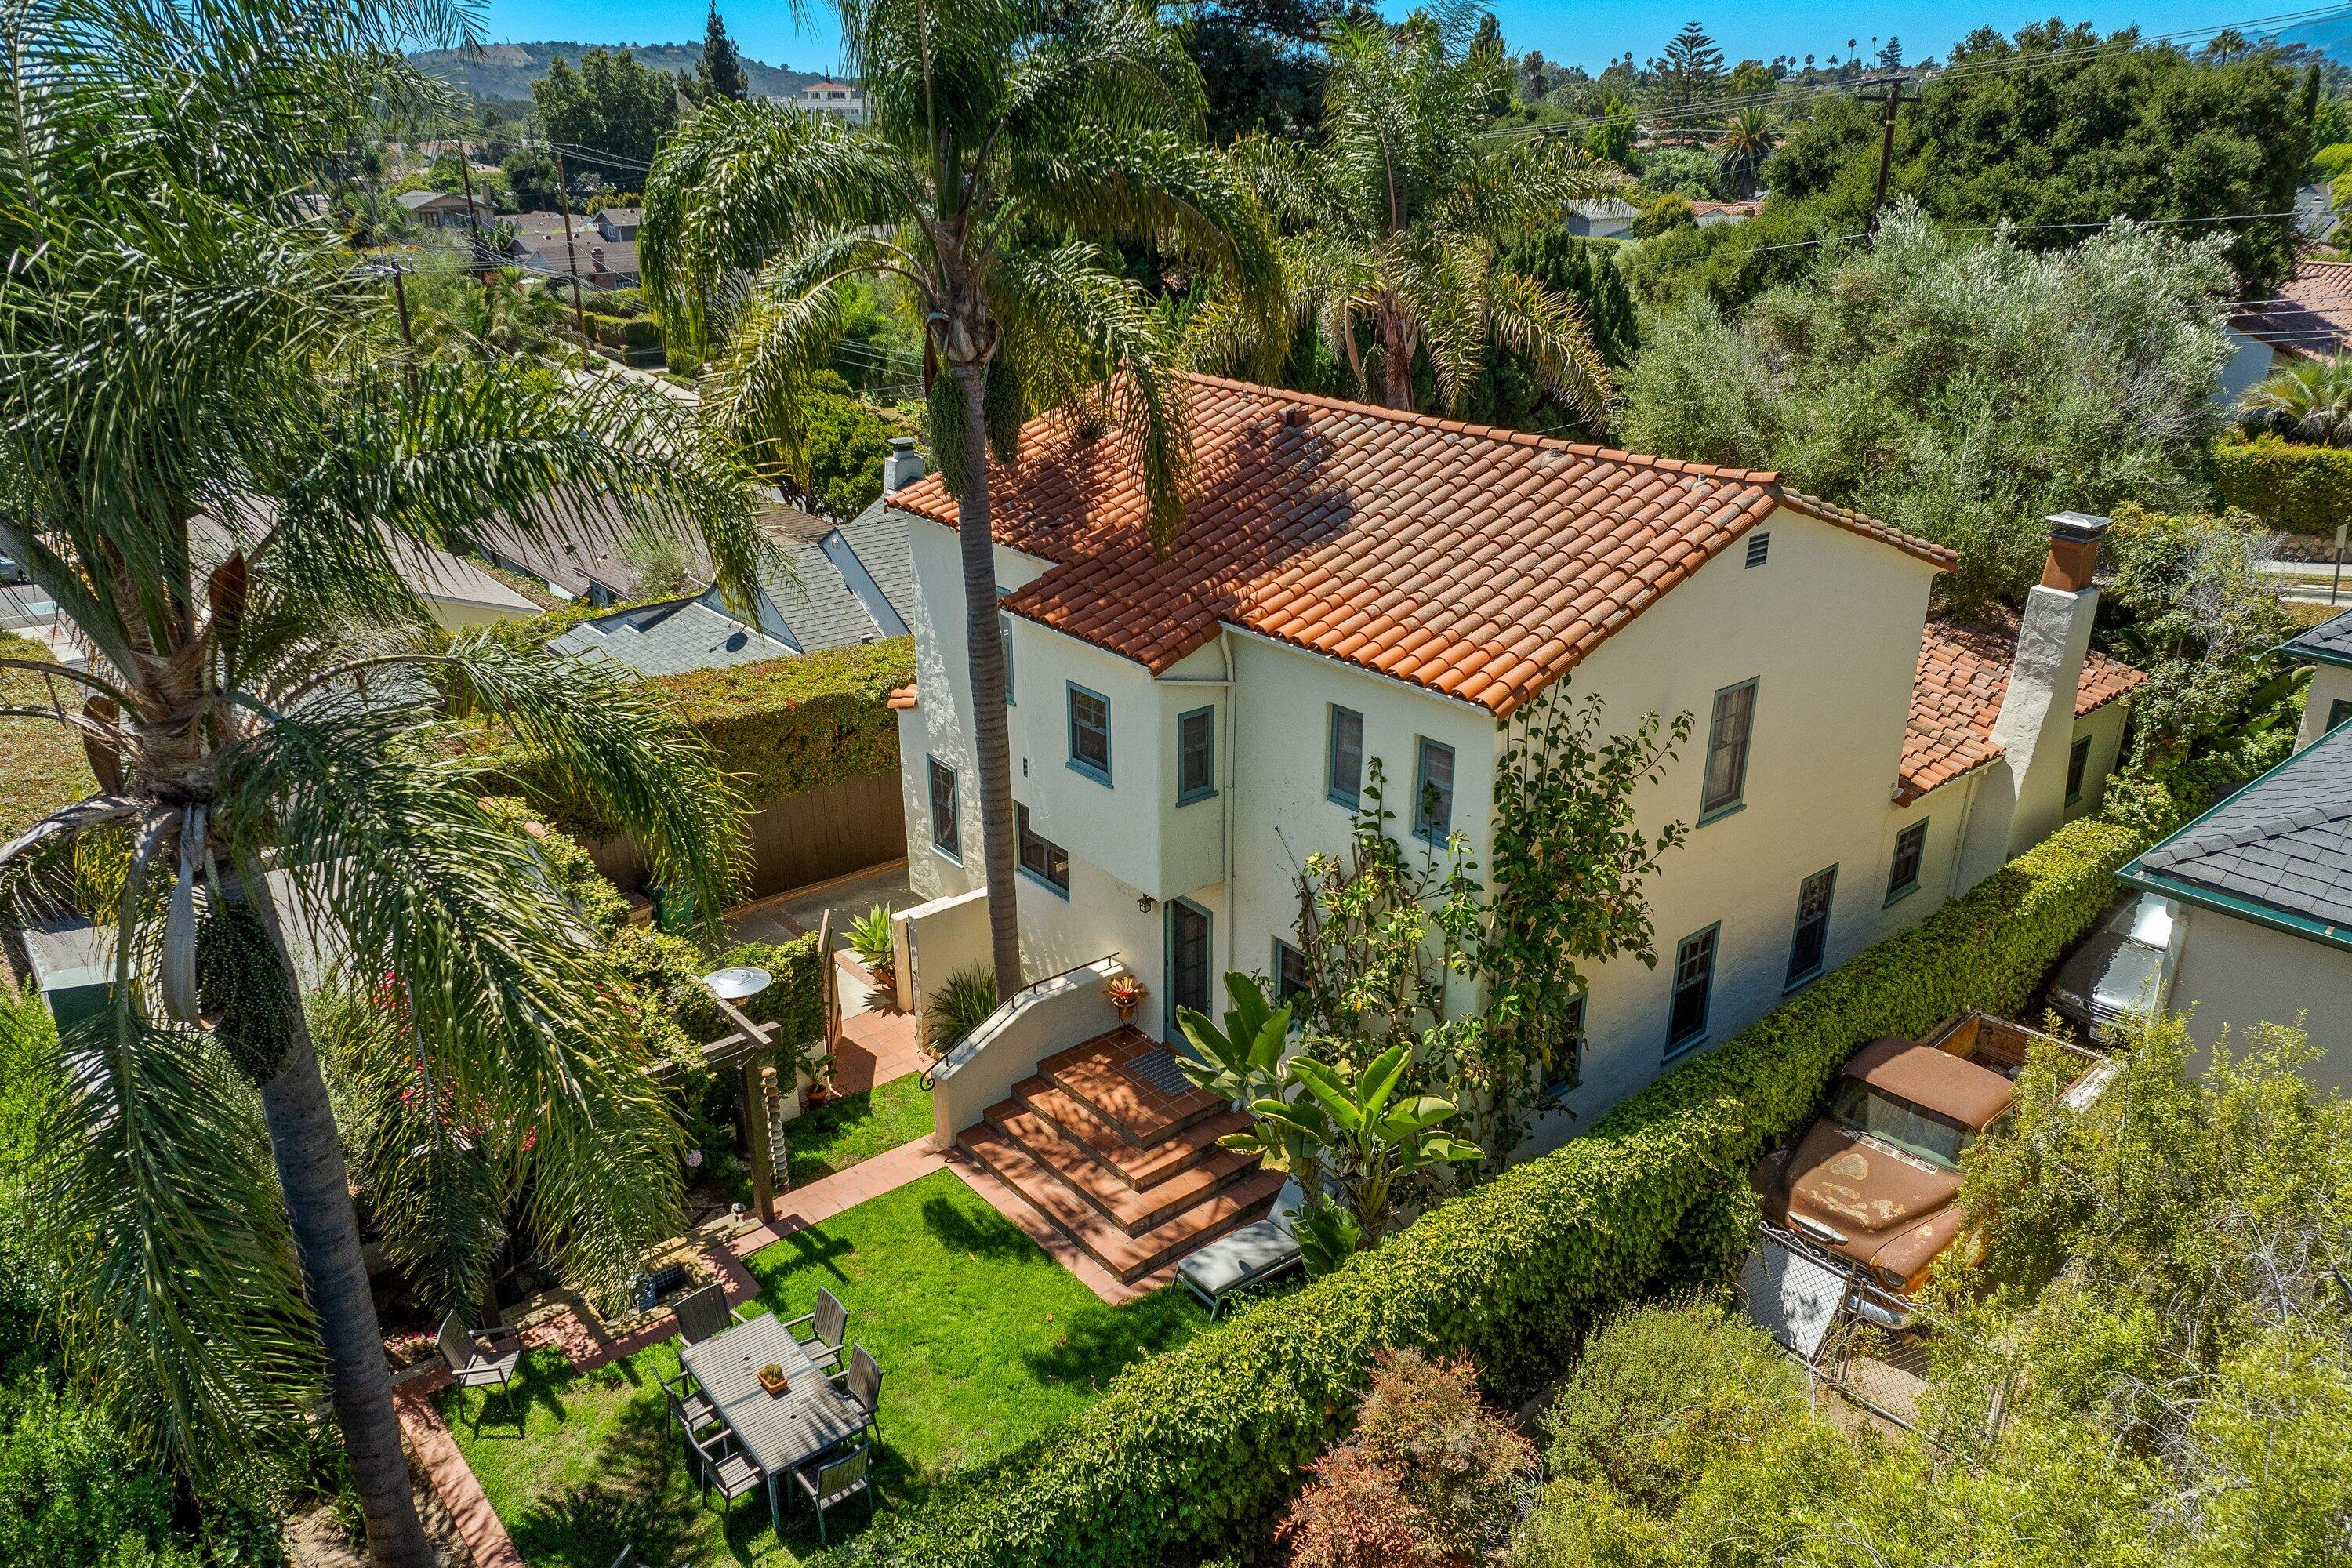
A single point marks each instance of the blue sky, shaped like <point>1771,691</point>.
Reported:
<point>1587,34</point>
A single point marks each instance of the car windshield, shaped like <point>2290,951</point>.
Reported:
<point>2131,980</point>
<point>1895,1122</point>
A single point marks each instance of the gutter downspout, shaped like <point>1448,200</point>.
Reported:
<point>1231,801</point>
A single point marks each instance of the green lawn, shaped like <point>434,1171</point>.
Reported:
<point>984,1341</point>
<point>841,1132</point>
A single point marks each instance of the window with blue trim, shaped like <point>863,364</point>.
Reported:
<point>1196,755</point>
<point>1910,851</point>
<point>1694,978</point>
<point>1726,750</point>
<point>1809,947</point>
<point>1090,733</point>
<point>946,835</point>
<point>1043,860</point>
<point>1005,634</point>
<point>1432,792</point>
<point>1344,772</point>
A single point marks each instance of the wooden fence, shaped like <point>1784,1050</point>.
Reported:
<point>830,831</point>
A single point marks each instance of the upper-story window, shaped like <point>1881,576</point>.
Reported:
<point>1040,857</point>
<point>2078,763</point>
<point>1432,792</point>
<point>1344,780</point>
<point>946,837</point>
<point>1289,972</point>
<point>2338,711</point>
<point>1090,733</point>
<point>1196,755</point>
<point>1693,987</point>
<point>1005,636</point>
<point>1726,750</point>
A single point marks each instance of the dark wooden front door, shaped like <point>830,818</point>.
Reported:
<point>1188,963</point>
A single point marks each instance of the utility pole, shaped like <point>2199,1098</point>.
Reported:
<point>1893,99</point>
<point>571,262</point>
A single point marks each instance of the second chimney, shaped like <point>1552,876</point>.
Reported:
<point>903,466</point>
<point>2073,550</point>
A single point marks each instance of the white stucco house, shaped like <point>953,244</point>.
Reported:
<point>1353,584</point>
<point>2327,648</point>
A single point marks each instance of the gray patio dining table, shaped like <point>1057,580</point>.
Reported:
<point>778,1431</point>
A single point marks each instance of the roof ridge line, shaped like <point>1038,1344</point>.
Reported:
<point>1762,479</point>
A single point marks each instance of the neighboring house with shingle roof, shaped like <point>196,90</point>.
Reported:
<point>1355,587</point>
<point>2264,885</point>
<point>2327,648</point>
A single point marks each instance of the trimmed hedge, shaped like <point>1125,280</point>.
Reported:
<point>786,726</point>
<point>1193,1451</point>
<point>2292,487</point>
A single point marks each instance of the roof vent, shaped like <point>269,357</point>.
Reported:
<point>1293,416</point>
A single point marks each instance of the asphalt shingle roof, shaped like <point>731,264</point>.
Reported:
<point>669,639</point>
<point>1474,561</point>
<point>1956,694</point>
<point>2330,642</point>
<point>2284,840</point>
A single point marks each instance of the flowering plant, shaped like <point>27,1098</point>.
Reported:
<point>1124,991</point>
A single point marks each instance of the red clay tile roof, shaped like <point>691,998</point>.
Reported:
<point>1956,695</point>
<point>902,698</point>
<point>2311,316</point>
<point>1476,561</point>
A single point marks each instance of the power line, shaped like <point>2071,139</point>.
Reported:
<point>1996,228</point>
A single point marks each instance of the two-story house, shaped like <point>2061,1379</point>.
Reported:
<point>1354,584</point>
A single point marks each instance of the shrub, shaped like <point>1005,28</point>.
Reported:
<point>640,333</point>
<point>605,330</point>
<point>1194,1450</point>
<point>2294,489</point>
<point>1432,1476</point>
<point>41,759</point>
<point>957,1008</point>
<point>1660,1393</point>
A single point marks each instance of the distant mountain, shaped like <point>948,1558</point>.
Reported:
<point>2329,35</point>
<point>507,70</point>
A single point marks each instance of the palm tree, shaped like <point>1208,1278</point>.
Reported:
<point>212,447</point>
<point>1747,143</point>
<point>1395,221</point>
<point>2310,400</point>
<point>1009,141</point>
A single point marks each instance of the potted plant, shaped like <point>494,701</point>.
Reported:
<point>815,1069</point>
<point>773,1378</point>
<point>1126,994</point>
<point>870,939</point>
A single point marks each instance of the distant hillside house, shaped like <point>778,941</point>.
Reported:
<point>435,209</point>
<point>619,223</point>
<point>603,252</point>
<point>1605,217</point>
<point>2309,319</point>
<point>1711,214</point>
<point>843,101</point>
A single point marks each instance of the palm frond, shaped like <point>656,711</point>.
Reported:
<point>1551,331</point>
<point>1114,67</point>
<point>793,318</point>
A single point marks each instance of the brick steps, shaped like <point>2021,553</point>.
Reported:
<point>1101,1076</point>
<point>1131,1209</point>
<point>1139,1166</point>
<point>1127,1256</point>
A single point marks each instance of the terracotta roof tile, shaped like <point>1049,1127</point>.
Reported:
<point>1476,561</point>
<point>2310,317</point>
<point>902,698</point>
<point>1963,675</point>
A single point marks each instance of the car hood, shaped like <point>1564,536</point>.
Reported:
<point>1856,1188</point>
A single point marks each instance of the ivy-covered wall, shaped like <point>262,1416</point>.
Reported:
<point>2292,487</point>
<point>1194,1451</point>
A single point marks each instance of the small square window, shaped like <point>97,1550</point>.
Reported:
<point>1289,972</point>
<point>2338,710</point>
<point>946,837</point>
<point>1196,755</point>
<point>1811,946</point>
<point>2078,763</point>
<point>1726,750</point>
<point>1910,849</point>
<point>1090,733</point>
<point>1432,794</point>
<point>1694,986</point>
<point>1759,545</point>
<point>1041,857</point>
<point>1345,784</point>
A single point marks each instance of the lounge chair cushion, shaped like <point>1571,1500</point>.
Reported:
<point>1232,1261</point>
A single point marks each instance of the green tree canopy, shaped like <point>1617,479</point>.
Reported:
<point>613,104</point>
<point>719,72</point>
<point>1958,387</point>
<point>1261,62</point>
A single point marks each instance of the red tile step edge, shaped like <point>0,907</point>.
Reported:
<point>1139,1165</point>
<point>1095,1074</point>
<point>1131,1210</point>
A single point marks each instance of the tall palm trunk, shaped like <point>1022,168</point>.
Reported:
<point>985,655</point>
<point>309,1151</point>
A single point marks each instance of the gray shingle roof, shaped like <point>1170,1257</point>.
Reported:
<point>2330,642</point>
<point>669,639</point>
<point>2284,842</point>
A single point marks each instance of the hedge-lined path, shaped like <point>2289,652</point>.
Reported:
<point>877,1042</point>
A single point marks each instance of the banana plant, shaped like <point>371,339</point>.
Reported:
<point>1356,1131</point>
<point>1242,1061</point>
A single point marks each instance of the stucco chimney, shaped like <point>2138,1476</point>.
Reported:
<point>903,466</point>
<point>2023,796</point>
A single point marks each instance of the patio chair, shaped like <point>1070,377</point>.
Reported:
<point>829,1481</point>
<point>479,1357</point>
<point>629,1559</point>
<point>861,1384</point>
<point>732,1471</point>
<point>692,1407</point>
<point>702,1313</point>
<point>830,1324</point>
